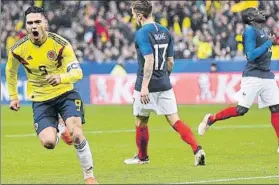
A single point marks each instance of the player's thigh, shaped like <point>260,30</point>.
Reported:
<point>269,94</point>
<point>166,103</point>
<point>45,120</point>
<point>140,109</point>
<point>70,106</point>
<point>249,90</point>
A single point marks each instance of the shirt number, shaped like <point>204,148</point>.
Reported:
<point>157,47</point>
<point>43,69</point>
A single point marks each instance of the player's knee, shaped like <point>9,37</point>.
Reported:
<point>274,108</point>
<point>49,145</point>
<point>142,121</point>
<point>77,134</point>
<point>241,110</point>
<point>48,137</point>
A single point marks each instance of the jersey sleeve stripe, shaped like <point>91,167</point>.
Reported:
<point>59,57</point>
<point>19,42</point>
<point>57,39</point>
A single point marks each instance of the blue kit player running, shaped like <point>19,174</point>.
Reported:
<point>257,79</point>
<point>153,91</point>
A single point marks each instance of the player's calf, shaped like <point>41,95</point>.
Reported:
<point>275,120</point>
<point>227,113</point>
<point>81,145</point>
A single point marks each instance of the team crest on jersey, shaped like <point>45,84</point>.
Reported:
<point>51,55</point>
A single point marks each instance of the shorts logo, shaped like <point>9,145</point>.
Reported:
<point>78,104</point>
<point>36,126</point>
<point>51,55</point>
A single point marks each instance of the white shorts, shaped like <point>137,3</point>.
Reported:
<point>266,90</point>
<point>162,103</point>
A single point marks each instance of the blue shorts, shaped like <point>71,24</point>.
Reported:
<point>67,105</point>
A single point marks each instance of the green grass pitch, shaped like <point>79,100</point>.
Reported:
<point>239,150</point>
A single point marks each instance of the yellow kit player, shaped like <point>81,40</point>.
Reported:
<point>51,67</point>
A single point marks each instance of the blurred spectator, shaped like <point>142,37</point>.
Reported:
<point>213,67</point>
<point>103,31</point>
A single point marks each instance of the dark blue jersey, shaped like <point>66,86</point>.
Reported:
<point>154,39</point>
<point>257,48</point>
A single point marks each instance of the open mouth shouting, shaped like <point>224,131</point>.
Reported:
<point>35,35</point>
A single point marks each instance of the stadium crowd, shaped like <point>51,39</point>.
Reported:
<point>103,31</point>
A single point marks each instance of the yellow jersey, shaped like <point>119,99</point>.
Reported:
<point>54,56</point>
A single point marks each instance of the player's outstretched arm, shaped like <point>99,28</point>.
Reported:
<point>250,44</point>
<point>11,79</point>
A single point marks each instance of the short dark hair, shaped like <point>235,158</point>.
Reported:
<point>143,7</point>
<point>245,14</point>
<point>34,9</point>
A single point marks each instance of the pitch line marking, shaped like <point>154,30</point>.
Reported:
<point>227,180</point>
<point>160,129</point>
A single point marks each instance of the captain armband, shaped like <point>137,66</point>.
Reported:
<point>73,65</point>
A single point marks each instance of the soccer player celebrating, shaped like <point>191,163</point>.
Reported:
<point>153,90</point>
<point>51,68</point>
<point>257,79</point>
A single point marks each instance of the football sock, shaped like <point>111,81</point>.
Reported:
<point>186,134</point>
<point>223,114</point>
<point>275,123</point>
<point>85,158</point>
<point>57,140</point>
<point>142,138</point>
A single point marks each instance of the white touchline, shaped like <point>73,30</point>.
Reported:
<point>227,180</point>
<point>159,129</point>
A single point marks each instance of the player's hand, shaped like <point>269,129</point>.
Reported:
<point>144,98</point>
<point>271,37</point>
<point>14,105</point>
<point>53,79</point>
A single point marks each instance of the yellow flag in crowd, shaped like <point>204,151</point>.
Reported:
<point>238,7</point>
<point>38,3</point>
